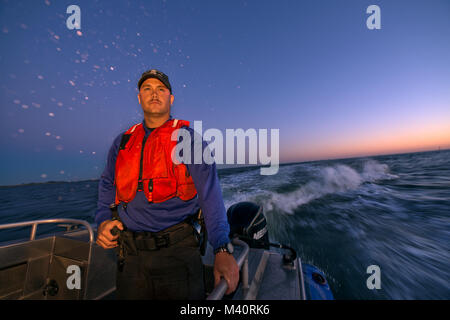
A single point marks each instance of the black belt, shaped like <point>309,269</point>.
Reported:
<point>150,241</point>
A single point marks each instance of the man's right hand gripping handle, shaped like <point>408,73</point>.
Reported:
<point>108,232</point>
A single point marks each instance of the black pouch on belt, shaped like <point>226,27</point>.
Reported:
<point>197,221</point>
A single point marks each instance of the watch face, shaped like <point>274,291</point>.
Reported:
<point>225,248</point>
<point>230,247</point>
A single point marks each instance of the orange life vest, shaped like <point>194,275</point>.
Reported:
<point>145,164</point>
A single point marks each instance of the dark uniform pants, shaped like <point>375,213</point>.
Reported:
<point>175,272</point>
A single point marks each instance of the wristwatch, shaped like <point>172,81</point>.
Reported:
<point>228,247</point>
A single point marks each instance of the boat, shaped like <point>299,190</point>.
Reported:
<point>69,265</point>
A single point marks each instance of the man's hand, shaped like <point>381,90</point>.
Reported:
<point>104,237</point>
<point>225,266</point>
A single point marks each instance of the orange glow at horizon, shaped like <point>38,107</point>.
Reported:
<point>427,138</point>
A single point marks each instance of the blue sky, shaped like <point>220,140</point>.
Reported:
<point>311,69</point>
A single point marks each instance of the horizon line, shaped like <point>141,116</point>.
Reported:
<point>237,166</point>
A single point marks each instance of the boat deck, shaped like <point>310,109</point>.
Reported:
<point>26,268</point>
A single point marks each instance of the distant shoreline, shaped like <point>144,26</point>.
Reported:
<point>234,167</point>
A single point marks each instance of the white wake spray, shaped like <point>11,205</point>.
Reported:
<point>335,179</point>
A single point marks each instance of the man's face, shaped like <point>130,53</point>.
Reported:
<point>155,98</point>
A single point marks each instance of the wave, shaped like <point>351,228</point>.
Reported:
<point>328,180</point>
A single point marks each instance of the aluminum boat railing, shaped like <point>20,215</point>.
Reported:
<point>242,262</point>
<point>35,223</point>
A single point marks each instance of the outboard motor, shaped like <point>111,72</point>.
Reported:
<point>248,222</point>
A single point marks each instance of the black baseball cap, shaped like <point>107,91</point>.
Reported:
<point>153,73</point>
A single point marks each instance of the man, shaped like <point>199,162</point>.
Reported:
<point>156,198</point>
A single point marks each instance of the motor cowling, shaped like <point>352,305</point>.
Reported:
<point>247,221</point>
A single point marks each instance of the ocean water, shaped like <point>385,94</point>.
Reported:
<point>340,215</point>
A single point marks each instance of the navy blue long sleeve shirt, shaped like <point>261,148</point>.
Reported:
<point>141,215</point>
